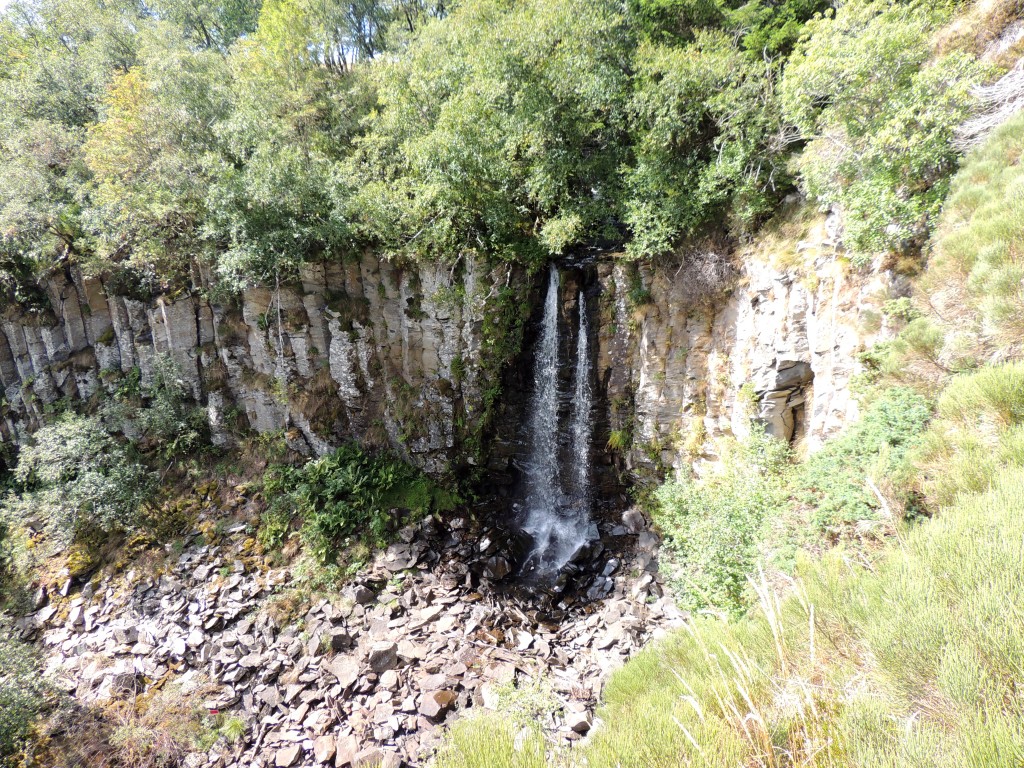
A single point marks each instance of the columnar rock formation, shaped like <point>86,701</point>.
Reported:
<point>708,347</point>
<point>366,350</point>
<point>363,349</point>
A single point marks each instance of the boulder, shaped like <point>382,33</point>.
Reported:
<point>346,750</point>
<point>324,748</point>
<point>383,656</point>
<point>436,704</point>
<point>345,669</point>
<point>288,756</point>
<point>363,595</point>
<point>579,722</point>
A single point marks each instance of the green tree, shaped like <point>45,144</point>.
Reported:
<point>78,479</point>
<point>146,197</point>
<point>292,121</point>
<point>878,112</point>
<point>55,61</point>
<point>212,25</point>
<point>709,141</point>
<point>499,128</point>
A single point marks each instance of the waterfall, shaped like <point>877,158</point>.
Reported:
<point>542,470</point>
<point>558,525</point>
<point>580,426</point>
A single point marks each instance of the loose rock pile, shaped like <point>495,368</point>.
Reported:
<point>366,678</point>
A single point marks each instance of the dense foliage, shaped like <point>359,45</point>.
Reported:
<point>714,527</point>
<point>347,500</point>
<point>841,483</point>
<point>23,690</point>
<point>249,137</point>
<point>76,479</point>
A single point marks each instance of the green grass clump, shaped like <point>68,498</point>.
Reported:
<point>913,660</point>
<point>345,499</point>
<point>507,737</point>
<point>490,740</point>
<point>979,433</point>
<point>977,269</point>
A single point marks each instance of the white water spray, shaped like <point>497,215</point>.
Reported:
<point>580,426</point>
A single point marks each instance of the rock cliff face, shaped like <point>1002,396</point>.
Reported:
<point>693,350</point>
<point>361,350</point>
<point>685,351</point>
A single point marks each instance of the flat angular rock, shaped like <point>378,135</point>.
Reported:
<point>409,651</point>
<point>436,703</point>
<point>289,756</point>
<point>271,696</point>
<point>497,567</point>
<point>324,748</point>
<point>346,750</point>
<point>346,670</point>
<point>251,661</point>
<point>363,595</point>
<point>383,656</point>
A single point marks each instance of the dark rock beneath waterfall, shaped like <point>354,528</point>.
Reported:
<point>497,567</point>
<point>363,595</point>
<point>340,639</point>
<point>633,520</point>
<point>383,656</point>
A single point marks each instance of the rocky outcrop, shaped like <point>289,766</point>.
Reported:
<point>688,354</point>
<point>686,350</point>
<point>428,632</point>
<point>361,350</point>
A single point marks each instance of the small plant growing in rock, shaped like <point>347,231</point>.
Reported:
<point>618,440</point>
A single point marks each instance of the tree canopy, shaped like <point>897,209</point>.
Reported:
<point>249,136</point>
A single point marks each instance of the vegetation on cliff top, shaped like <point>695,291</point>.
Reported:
<point>251,137</point>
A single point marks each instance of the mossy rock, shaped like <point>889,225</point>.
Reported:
<point>81,561</point>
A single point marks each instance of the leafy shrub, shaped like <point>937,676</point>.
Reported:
<point>171,419</point>
<point>901,308</point>
<point>714,526</point>
<point>833,481</point>
<point>76,478</point>
<point>346,498</point>
<point>23,691</point>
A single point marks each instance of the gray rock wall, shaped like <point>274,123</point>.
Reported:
<point>363,350</point>
<point>687,351</point>
<point>701,354</point>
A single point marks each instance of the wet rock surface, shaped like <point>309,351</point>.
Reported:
<point>368,675</point>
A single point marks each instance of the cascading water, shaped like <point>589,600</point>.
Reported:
<point>580,426</point>
<point>557,523</point>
